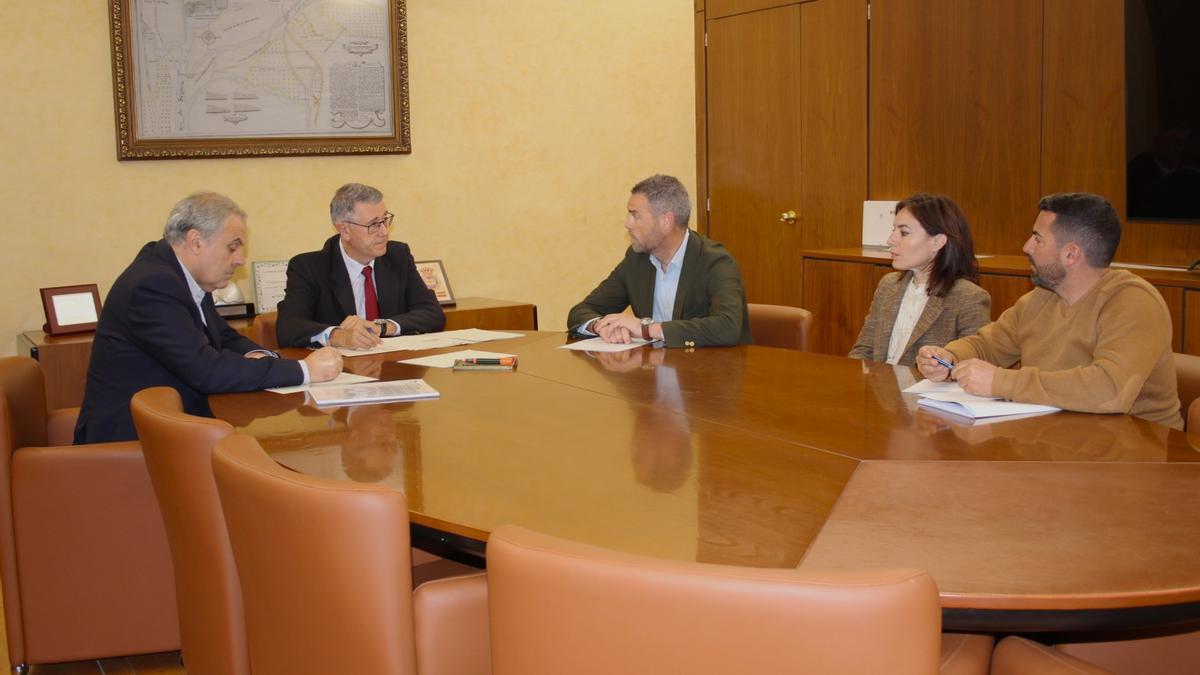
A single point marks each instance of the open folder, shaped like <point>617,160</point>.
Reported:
<point>950,397</point>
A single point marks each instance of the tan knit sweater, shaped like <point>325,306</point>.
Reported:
<point>1110,352</point>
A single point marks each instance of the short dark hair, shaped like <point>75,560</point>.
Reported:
<point>666,193</point>
<point>939,214</point>
<point>1088,220</point>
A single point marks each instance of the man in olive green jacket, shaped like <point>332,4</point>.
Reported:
<point>685,290</point>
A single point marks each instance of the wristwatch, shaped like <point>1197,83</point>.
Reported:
<point>382,325</point>
<point>646,322</point>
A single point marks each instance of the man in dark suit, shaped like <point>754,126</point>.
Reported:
<point>159,326</point>
<point>360,286</point>
<point>685,290</point>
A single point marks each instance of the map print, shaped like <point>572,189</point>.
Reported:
<point>252,68</point>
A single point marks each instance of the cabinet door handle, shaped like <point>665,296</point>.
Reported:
<point>788,217</point>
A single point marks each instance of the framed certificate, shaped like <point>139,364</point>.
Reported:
<point>71,309</point>
<point>433,273</point>
<point>270,281</point>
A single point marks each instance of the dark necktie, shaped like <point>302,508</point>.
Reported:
<point>209,310</point>
<point>370,299</point>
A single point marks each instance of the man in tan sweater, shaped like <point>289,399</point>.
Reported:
<point>1089,338</point>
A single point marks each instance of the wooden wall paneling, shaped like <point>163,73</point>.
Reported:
<point>753,68</point>
<point>721,8</point>
<point>1173,296</point>
<point>839,295</point>
<point>833,126</point>
<point>955,107</point>
<point>1083,98</point>
<point>1191,322</point>
<point>700,222</point>
<point>1004,289</point>
<point>699,5</point>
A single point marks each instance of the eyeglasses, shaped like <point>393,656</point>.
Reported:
<point>372,227</point>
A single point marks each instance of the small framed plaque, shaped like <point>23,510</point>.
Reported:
<point>71,309</point>
<point>433,273</point>
<point>270,281</point>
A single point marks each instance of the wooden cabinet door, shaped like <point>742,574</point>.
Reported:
<point>786,132</point>
<point>754,147</point>
<point>839,295</point>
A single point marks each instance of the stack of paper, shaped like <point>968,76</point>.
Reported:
<point>373,392</point>
<point>450,338</point>
<point>950,397</point>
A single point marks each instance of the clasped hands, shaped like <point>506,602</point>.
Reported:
<point>622,328</point>
<point>973,375</point>
<point>355,333</point>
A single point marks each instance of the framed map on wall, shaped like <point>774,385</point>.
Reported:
<point>253,78</point>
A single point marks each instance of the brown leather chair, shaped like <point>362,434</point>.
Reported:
<point>1187,378</point>
<point>563,607</point>
<point>178,449</point>
<point>326,577</point>
<point>84,561</point>
<point>780,326</point>
<point>264,330</point>
<point>1167,655</point>
<point>1018,656</point>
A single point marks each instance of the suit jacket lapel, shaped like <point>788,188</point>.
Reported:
<point>387,287</point>
<point>688,275</point>
<point>343,293</point>
<point>888,315</point>
<point>933,307</point>
<point>210,320</point>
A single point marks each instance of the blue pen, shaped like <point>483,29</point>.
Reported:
<point>947,366</point>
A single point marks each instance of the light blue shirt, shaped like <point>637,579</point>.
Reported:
<point>666,285</point>
<point>358,284</point>
<point>666,281</point>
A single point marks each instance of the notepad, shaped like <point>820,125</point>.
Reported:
<point>950,397</point>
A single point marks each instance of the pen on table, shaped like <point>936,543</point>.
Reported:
<point>504,361</point>
<point>945,364</point>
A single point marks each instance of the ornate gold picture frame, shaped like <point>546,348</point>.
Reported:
<point>255,78</point>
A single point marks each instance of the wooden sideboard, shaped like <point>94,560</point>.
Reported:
<point>65,358</point>
<point>839,284</point>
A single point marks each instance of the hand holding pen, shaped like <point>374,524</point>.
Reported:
<point>935,363</point>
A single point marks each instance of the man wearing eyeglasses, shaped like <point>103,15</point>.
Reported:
<point>360,286</point>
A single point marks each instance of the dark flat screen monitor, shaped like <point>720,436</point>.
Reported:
<point>1162,109</point>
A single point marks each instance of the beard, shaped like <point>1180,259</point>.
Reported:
<point>1048,276</point>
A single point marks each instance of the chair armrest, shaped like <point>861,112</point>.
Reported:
<point>450,618</point>
<point>94,565</point>
<point>60,426</point>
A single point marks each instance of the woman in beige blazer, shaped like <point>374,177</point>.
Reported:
<point>934,297</point>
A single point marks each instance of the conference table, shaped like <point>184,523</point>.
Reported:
<point>766,457</point>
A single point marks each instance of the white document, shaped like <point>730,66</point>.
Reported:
<point>447,360</point>
<point>931,387</point>
<point>75,308</point>
<point>597,345</point>
<point>473,335</point>
<point>877,223</point>
<point>342,378</point>
<point>374,392</point>
<point>450,338</point>
<point>976,407</point>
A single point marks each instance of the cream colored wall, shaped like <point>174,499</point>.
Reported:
<point>530,121</point>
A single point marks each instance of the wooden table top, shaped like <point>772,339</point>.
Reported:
<point>766,457</point>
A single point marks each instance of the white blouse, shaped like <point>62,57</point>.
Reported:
<point>911,307</point>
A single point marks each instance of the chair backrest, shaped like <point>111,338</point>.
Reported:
<point>22,424</point>
<point>178,449</point>
<point>780,326</point>
<point>556,606</point>
<point>1187,377</point>
<point>325,567</point>
<point>264,330</point>
<point>24,391</point>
